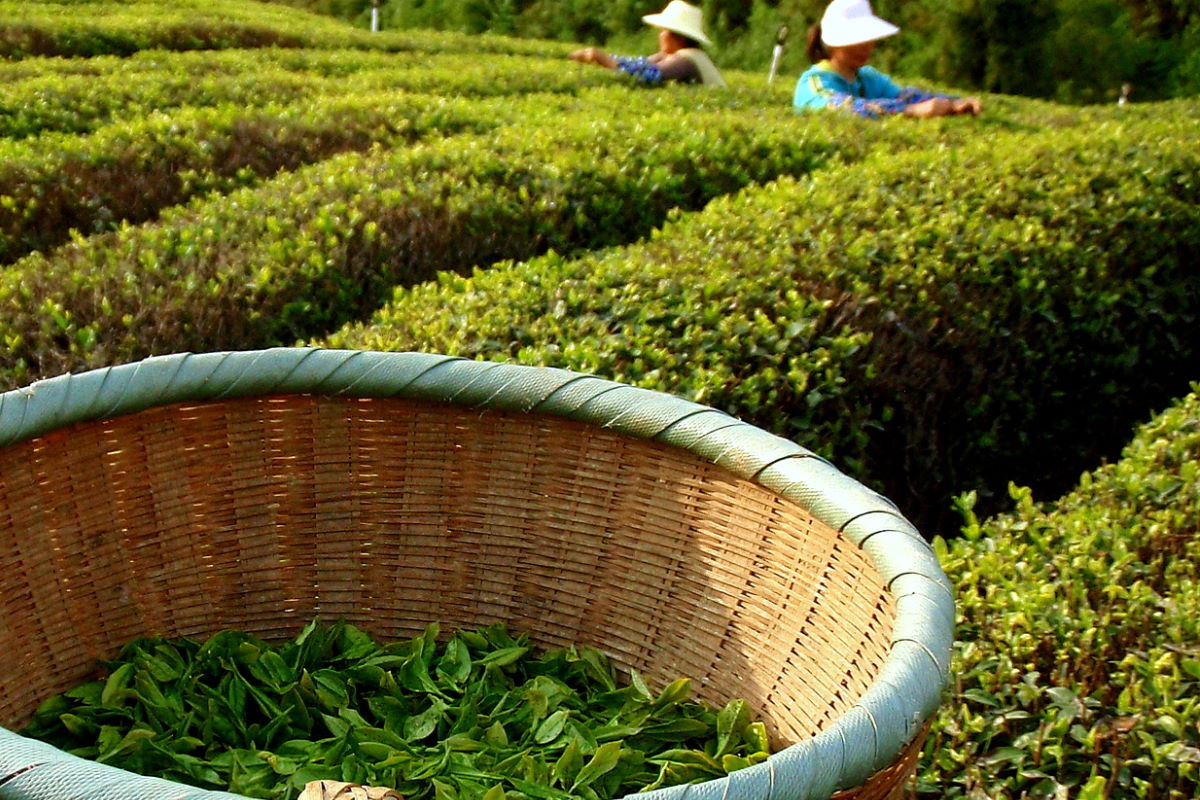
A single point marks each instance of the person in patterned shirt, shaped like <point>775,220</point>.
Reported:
<point>680,57</point>
<point>840,46</point>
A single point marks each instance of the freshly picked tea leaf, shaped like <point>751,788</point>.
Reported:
<point>480,716</point>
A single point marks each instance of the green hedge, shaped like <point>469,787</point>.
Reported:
<point>308,251</point>
<point>86,28</point>
<point>1077,666</point>
<point>302,254</point>
<point>80,102</point>
<point>928,318</point>
<point>80,96</point>
<point>106,28</point>
<point>127,171</point>
<point>59,186</point>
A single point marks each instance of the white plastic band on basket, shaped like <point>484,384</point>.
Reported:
<point>863,741</point>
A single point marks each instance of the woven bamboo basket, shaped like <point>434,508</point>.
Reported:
<point>187,494</point>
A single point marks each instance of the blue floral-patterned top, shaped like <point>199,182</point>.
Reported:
<point>871,94</point>
<point>686,65</point>
<point>640,68</point>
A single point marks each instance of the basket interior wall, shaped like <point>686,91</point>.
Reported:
<point>261,513</point>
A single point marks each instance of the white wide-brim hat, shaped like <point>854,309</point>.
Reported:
<point>682,18</point>
<point>848,22</point>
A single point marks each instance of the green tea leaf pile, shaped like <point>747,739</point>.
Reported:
<point>482,715</point>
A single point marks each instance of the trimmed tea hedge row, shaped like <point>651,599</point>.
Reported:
<point>95,27</point>
<point>81,102</point>
<point>1077,670</point>
<point>482,76</point>
<point>127,172</point>
<point>54,185</point>
<point>306,252</point>
<point>161,65</point>
<point>106,28</point>
<point>926,317</point>
<point>349,229</point>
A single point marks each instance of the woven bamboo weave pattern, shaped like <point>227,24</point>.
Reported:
<point>236,505</point>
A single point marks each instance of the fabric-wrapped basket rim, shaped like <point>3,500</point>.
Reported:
<point>867,739</point>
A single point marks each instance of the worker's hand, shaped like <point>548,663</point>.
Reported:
<point>944,106</point>
<point>933,107</point>
<point>968,105</point>
<point>593,55</point>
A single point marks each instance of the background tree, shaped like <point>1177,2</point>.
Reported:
<point>1001,46</point>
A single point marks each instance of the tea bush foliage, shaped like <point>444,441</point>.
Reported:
<point>944,308</point>
<point>924,317</point>
<point>82,95</point>
<point>1077,666</point>
<point>93,28</point>
<point>128,172</point>
<point>86,28</point>
<point>125,171</point>
<point>308,250</point>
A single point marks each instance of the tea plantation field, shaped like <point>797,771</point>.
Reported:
<point>992,321</point>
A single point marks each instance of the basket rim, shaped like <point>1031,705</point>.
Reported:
<point>863,741</point>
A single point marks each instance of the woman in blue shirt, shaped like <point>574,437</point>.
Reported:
<point>840,46</point>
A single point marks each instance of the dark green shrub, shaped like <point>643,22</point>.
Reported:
<point>927,317</point>
<point>1076,667</point>
<point>306,252</point>
<point>32,29</point>
<point>126,172</point>
<point>80,96</point>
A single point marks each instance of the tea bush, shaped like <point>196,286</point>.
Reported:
<point>308,251</point>
<point>241,270</point>
<point>55,185</point>
<point>126,171</point>
<point>81,102</point>
<point>105,28</point>
<point>1077,670</point>
<point>86,28</point>
<point>125,90</point>
<point>939,306</point>
<point>925,317</point>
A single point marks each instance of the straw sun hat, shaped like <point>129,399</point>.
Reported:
<point>682,18</point>
<point>848,22</point>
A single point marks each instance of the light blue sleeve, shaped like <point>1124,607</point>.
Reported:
<point>877,86</point>
<point>818,88</point>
